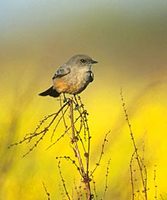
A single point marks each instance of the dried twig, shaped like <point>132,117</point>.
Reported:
<point>63,182</point>
<point>64,133</point>
<point>106,179</point>
<point>80,136</point>
<point>155,183</point>
<point>131,176</point>
<point>101,153</point>
<point>60,119</point>
<point>74,140</point>
<point>142,168</point>
<point>42,133</point>
<point>46,191</point>
<point>68,158</point>
<point>94,188</point>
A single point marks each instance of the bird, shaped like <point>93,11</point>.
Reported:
<point>72,77</point>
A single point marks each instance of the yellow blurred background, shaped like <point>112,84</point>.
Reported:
<point>129,39</point>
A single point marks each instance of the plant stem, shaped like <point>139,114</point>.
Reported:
<point>84,174</point>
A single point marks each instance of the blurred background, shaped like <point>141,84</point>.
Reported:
<point>129,39</point>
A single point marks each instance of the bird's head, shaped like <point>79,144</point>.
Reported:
<point>81,61</point>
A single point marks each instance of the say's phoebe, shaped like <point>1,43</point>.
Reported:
<point>72,77</point>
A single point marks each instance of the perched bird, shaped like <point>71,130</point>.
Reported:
<point>72,77</point>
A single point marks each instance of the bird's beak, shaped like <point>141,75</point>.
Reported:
<point>94,61</point>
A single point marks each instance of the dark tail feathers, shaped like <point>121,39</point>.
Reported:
<point>51,92</point>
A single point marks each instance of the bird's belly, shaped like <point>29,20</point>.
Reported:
<point>71,85</point>
<point>61,85</point>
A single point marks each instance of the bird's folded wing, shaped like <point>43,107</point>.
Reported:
<point>61,71</point>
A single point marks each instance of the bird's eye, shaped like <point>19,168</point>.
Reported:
<point>83,61</point>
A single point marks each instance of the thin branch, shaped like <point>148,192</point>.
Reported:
<point>62,135</point>
<point>76,149</point>
<point>68,158</point>
<point>139,161</point>
<point>46,191</point>
<point>131,176</point>
<point>74,140</point>
<point>35,145</point>
<point>86,132</point>
<point>94,189</point>
<point>63,182</point>
<point>65,125</point>
<point>35,133</point>
<point>106,180</point>
<point>82,112</point>
<point>80,108</point>
<point>60,119</point>
<point>101,153</point>
<point>42,132</point>
<point>155,183</point>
